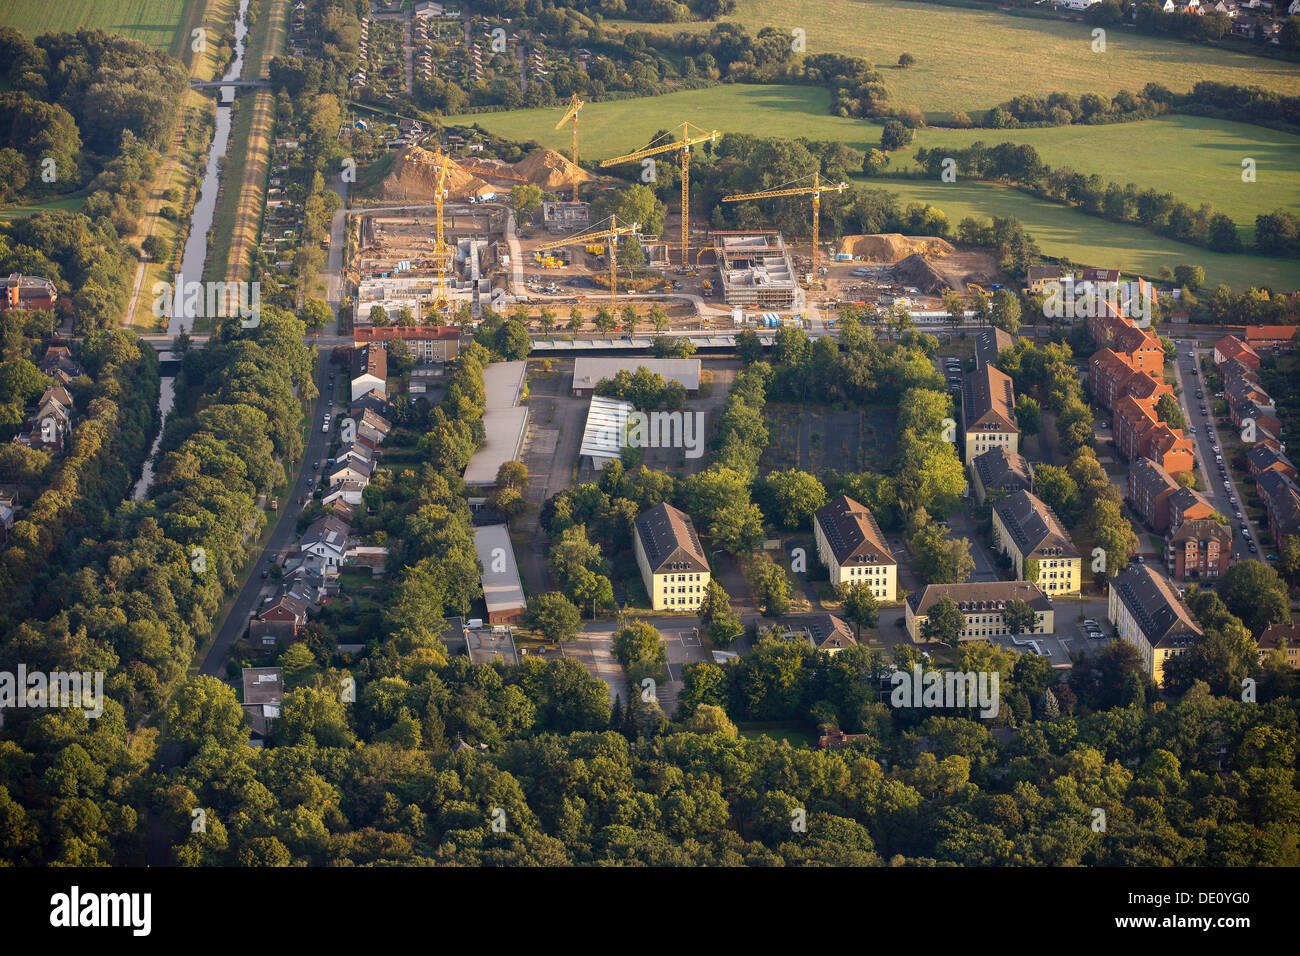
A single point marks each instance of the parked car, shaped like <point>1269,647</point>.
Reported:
<point>1253,549</point>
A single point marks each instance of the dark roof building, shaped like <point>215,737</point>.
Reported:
<point>1001,470</point>
<point>1034,528</point>
<point>668,537</point>
<point>852,533</point>
<point>989,344</point>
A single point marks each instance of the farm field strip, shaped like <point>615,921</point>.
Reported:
<point>1196,158</point>
<point>618,126</point>
<point>155,22</point>
<point>1088,240</point>
<point>974,59</point>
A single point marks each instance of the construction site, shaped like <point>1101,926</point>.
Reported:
<point>443,234</point>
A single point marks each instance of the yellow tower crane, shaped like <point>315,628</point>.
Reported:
<point>815,190</point>
<point>440,248</point>
<point>683,146</point>
<point>575,105</point>
<point>612,234</point>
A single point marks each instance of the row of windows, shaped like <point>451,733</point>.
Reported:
<point>684,589</point>
<point>683,577</point>
<point>682,602</point>
<point>996,632</point>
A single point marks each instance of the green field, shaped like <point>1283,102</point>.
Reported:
<point>1195,158</point>
<point>1088,240</point>
<point>72,203</point>
<point>620,126</point>
<point>975,59</point>
<point>156,22</point>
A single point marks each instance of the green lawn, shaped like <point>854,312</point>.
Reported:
<point>974,59</point>
<point>72,203</point>
<point>156,22</point>
<point>1088,240</point>
<point>617,127</point>
<point>1195,158</point>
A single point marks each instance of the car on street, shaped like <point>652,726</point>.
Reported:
<point>1253,549</point>
<point>1245,532</point>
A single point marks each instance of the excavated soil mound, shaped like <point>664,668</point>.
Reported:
<point>915,270</point>
<point>415,177</point>
<point>550,170</point>
<point>892,247</point>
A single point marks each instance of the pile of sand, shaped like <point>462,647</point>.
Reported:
<point>415,177</point>
<point>916,271</point>
<point>891,247</point>
<point>550,170</point>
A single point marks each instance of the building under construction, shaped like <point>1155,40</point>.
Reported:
<point>755,269</point>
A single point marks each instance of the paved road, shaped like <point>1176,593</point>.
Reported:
<point>254,589</point>
<point>1191,379</point>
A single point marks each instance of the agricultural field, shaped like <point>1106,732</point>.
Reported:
<point>975,59</point>
<point>1088,240</point>
<point>159,23</point>
<point>620,126</point>
<point>1196,158</point>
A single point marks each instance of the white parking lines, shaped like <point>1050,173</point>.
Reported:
<point>689,639</point>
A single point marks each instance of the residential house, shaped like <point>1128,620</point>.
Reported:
<point>1149,489</point>
<point>1275,337</point>
<point>1199,548</point>
<point>1139,432</point>
<point>1001,472</point>
<point>1147,612</point>
<point>427,343</point>
<point>1281,498</point>
<point>1261,415</point>
<point>263,695</point>
<point>8,513</point>
<point>1262,458</point>
<point>854,550</point>
<point>349,469</point>
<point>349,492</point>
<point>673,565</point>
<point>327,536</point>
<point>825,632</point>
<point>989,344</point>
<point>988,412</point>
<point>1285,637</point>
<point>27,292</point>
<point>1188,504</point>
<point>369,371</point>
<point>982,603</point>
<point>1040,278</point>
<point>1231,347</point>
<point>1026,529</point>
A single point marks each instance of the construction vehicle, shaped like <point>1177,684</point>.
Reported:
<point>575,105</point>
<point>815,190</point>
<point>595,249</point>
<point>611,236</point>
<point>972,287</point>
<point>708,287</point>
<point>683,147</point>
